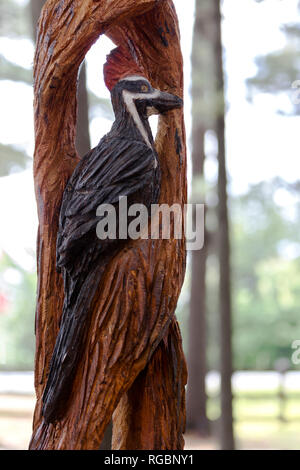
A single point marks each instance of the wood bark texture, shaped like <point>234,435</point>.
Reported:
<point>133,356</point>
<point>82,131</point>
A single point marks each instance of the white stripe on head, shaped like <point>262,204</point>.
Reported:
<point>129,100</point>
<point>134,78</point>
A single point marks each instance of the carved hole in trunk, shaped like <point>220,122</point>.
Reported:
<point>153,120</point>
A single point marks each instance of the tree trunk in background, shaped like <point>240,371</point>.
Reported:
<point>83,143</point>
<point>196,393</point>
<point>227,436</point>
<point>202,73</point>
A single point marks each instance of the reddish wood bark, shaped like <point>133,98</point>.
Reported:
<point>134,308</point>
<point>82,131</point>
<point>155,405</point>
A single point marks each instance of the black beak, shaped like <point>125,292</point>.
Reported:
<point>166,102</point>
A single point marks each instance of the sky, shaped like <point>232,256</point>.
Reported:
<point>261,144</point>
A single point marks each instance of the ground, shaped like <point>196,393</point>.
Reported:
<point>16,420</point>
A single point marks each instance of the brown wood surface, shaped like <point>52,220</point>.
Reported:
<point>151,415</point>
<point>133,343</point>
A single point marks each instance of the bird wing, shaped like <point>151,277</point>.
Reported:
<point>115,168</point>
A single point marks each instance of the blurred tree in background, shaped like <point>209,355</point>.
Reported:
<point>266,272</point>
<point>223,244</point>
<point>203,94</point>
<point>208,113</point>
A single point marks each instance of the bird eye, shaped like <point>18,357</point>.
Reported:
<point>145,88</point>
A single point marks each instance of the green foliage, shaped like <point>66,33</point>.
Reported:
<point>17,320</point>
<point>12,160</point>
<point>13,19</point>
<point>13,23</point>
<point>265,242</point>
<point>11,71</point>
<point>266,281</point>
<point>277,71</point>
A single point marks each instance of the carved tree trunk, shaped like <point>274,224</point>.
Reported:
<point>83,143</point>
<point>138,294</point>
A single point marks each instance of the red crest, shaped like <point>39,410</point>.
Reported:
<point>120,64</point>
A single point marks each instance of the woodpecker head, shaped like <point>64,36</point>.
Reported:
<point>134,100</point>
<point>133,97</point>
<point>137,92</point>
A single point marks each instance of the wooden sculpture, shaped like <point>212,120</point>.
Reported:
<point>107,339</point>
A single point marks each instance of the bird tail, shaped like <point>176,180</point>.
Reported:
<point>70,343</point>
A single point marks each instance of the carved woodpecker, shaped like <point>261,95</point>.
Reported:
<point>124,163</point>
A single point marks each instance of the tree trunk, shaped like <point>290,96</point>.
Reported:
<point>196,393</point>
<point>227,435</point>
<point>157,396</point>
<point>202,108</point>
<point>83,142</point>
<point>133,328</point>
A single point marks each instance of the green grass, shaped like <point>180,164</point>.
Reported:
<point>268,435</point>
<point>257,424</point>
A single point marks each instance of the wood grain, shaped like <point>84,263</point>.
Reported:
<point>133,330</point>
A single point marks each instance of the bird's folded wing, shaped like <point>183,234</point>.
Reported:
<point>114,169</point>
